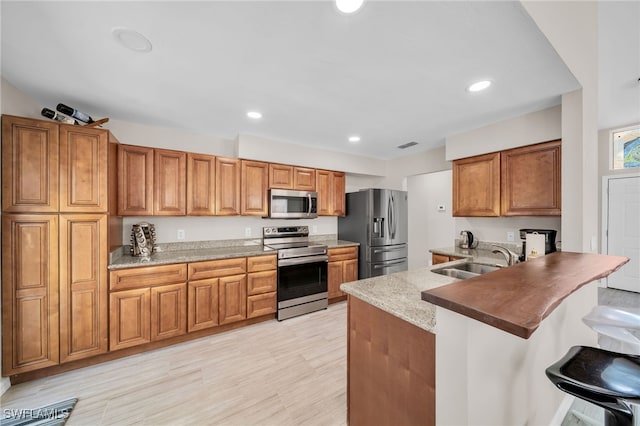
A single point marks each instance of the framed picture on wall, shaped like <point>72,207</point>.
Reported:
<point>626,147</point>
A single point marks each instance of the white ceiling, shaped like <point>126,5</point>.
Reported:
<point>392,73</point>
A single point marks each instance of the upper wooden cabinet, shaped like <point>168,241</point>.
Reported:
<point>518,182</point>
<point>29,165</point>
<point>331,193</point>
<point>227,186</point>
<point>135,180</point>
<point>531,180</point>
<point>255,184</point>
<point>201,184</point>
<point>169,183</point>
<point>282,176</point>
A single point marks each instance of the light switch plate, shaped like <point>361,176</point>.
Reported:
<point>441,207</point>
<point>511,236</point>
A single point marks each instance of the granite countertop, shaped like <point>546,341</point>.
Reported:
<point>205,250</point>
<point>482,254</point>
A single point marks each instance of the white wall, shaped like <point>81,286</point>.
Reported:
<point>399,169</point>
<point>495,228</point>
<point>430,228</point>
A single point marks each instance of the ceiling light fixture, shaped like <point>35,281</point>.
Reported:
<point>254,114</point>
<point>349,6</point>
<point>479,86</point>
<point>132,40</point>
<point>354,139</point>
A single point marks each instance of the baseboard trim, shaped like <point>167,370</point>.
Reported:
<point>5,384</point>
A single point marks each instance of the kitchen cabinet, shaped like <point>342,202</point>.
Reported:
<point>135,180</point>
<point>331,193</point>
<point>254,190</point>
<point>227,186</point>
<point>531,180</point>
<point>202,305</point>
<point>30,172</point>
<point>441,258</point>
<point>169,183</point>
<point>83,286</point>
<point>147,304</point>
<point>232,293</point>
<point>201,184</point>
<point>29,292</point>
<point>262,281</point>
<point>476,185</point>
<point>342,268</point>
<point>282,176</point>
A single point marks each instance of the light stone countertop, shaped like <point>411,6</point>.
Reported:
<point>482,254</point>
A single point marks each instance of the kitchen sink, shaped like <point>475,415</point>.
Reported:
<point>465,270</point>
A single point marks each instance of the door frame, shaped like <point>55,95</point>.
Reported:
<point>605,210</point>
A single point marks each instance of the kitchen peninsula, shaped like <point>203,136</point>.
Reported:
<point>473,351</point>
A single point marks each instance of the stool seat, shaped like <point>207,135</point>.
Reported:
<point>618,327</point>
<point>608,379</point>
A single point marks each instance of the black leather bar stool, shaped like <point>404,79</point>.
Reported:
<point>608,379</point>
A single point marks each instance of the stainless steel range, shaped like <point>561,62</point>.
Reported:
<point>302,270</point>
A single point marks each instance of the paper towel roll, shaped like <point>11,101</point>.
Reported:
<point>535,245</point>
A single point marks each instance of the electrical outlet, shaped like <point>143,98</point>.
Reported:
<point>180,235</point>
<point>511,236</point>
<point>247,232</point>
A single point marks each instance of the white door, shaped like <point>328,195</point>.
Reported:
<point>623,236</point>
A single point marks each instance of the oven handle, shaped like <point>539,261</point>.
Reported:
<point>303,260</point>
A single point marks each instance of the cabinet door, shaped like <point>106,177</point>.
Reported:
<point>338,187</point>
<point>83,169</point>
<point>83,286</point>
<point>29,292</point>
<point>29,165</point>
<point>233,299</point>
<point>261,304</point>
<point>476,186</point>
<point>201,184</point>
<point>135,180</point>
<point>350,272</point>
<point>304,179</point>
<point>531,180</point>
<point>262,282</point>
<point>323,187</point>
<point>169,183</point>
<point>280,176</point>
<point>255,186</point>
<point>129,318</point>
<point>227,186</point>
<point>436,259</point>
<point>334,278</point>
<point>168,311</point>
<point>202,306</point>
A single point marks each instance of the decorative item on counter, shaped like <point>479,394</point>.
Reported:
<point>46,112</point>
<point>143,239</point>
<point>535,245</point>
<point>79,115</point>
<point>467,241</point>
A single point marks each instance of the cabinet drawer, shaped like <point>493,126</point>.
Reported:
<point>262,263</point>
<point>261,282</point>
<point>148,276</point>
<point>343,253</point>
<point>217,268</point>
<point>261,304</point>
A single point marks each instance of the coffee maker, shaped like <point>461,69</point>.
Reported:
<point>549,240</point>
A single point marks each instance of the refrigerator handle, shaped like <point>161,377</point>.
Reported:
<point>392,218</point>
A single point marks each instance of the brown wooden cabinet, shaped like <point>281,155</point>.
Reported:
<point>83,169</point>
<point>331,193</point>
<point>262,282</point>
<point>441,258</point>
<point>201,184</point>
<point>202,304</point>
<point>30,150</point>
<point>29,292</point>
<point>129,317</point>
<point>476,186</point>
<point>254,191</point>
<point>232,293</point>
<point>304,179</point>
<point>342,268</point>
<point>531,180</point>
<point>83,286</point>
<point>282,176</point>
<point>227,186</point>
<point>135,180</point>
<point>169,183</point>
<point>168,311</point>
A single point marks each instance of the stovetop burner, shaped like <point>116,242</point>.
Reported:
<point>291,241</point>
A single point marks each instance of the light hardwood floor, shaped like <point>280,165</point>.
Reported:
<point>273,373</point>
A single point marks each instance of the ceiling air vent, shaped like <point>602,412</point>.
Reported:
<point>407,145</point>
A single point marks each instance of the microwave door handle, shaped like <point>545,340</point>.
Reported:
<point>309,201</point>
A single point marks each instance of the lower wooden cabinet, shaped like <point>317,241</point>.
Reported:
<point>233,298</point>
<point>441,258</point>
<point>343,267</point>
<point>168,311</point>
<point>130,318</point>
<point>202,304</point>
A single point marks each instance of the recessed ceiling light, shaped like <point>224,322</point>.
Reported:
<point>254,114</point>
<point>479,85</point>
<point>132,40</point>
<point>354,139</point>
<point>349,6</point>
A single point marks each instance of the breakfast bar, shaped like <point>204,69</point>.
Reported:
<point>428,349</point>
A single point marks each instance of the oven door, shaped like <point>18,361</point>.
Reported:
<point>301,277</point>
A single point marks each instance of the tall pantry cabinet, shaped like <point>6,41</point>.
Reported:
<point>55,232</point>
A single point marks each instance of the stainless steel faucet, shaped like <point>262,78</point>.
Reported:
<point>509,256</point>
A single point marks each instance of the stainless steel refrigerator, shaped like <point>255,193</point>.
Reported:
<point>377,219</point>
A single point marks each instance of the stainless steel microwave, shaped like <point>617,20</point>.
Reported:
<point>288,204</point>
